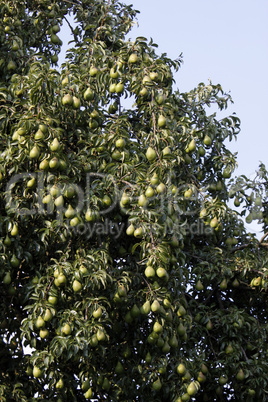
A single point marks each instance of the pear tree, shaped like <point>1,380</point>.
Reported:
<point>128,271</point>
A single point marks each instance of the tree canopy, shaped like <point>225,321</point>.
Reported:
<point>127,271</point>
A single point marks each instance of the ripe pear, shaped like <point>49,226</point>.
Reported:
<point>88,94</point>
<point>161,121</point>
<point>157,385</point>
<point>154,76</point>
<point>188,193</point>
<point>112,88</point>
<point>14,262</point>
<point>174,341</point>
<point>52,300</point>
<point>44,164</point>
<point>143,92</point>
<point>93,71</point>
<point>62,279</point>
<point>48,315</point>
<point>119,369</point>
<point>204,368</point>
<point>166,347</point>
<point>76,103</point>
<point>135,311</point>
<point>66,329</point>
<point>150,154</point>
<point>133,58</point>
<point>31,183</point>
<point>201,377</point>
<point>223,379</point>
<point>7,241</point>
<point>37,372</point>
<point>223,285</point>
<point>97,313</point>
<point>119,88</point>
<point>94,341</point>
<point>47,199</point>
<point>125,200</point>
<point>101,335</point>
<point>227,173</point>
<point>181,329</point>
<point>157,327</point>
<point>43,333</point>
<point>7,279</point>
<point>235,283</point>
<point>142,202</point>
<point>240,376</point>
<point>145,308</point>
<point>54,163</point>
<point>155,306</point>
<point>67,100</point>
<point>214,222</point>
<point>120,143</point>
<point>229,349</point>
<point>59,201</point>
<point>181,311</point>
<point>122,291</point>
<point>199,286</point>
<point>155,179</point>
<point>59,384</point>
<point>40,323</point>
<point>70,212</point>
<point>77,286</point>
<point>34,153</point>
<point>39,135</point>
<point>149,192</point>
<point>207,141</point>
<point>161,272</point>
<point>201,151</point>
<point>181,369</point>
<point>166,152</point>
<point>192,145</point>
<point>114,73</point>
<point>90,216</point>
<point>130,230</point>
<point>192,388</point>
<point>138,232</point>
<point>70,192</point>
<point>148,358</point>
<point>11,66</point>
<point>54,146</point>
<point>209,325</point>
<point>161,188</point>
<point>146,80</point>
<point>106,384</point>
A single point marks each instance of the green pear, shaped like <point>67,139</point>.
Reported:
<point>150,154</point>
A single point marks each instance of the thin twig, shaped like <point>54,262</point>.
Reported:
<point>263,237</point>
<point>71,28</point>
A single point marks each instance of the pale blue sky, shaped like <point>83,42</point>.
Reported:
<point>226,41</point>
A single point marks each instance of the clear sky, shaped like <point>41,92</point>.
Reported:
<point>227,42</point>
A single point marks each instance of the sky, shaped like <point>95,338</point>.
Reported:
<point>227,42</point>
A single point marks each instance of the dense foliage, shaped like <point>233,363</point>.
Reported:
<point>126,270</point>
